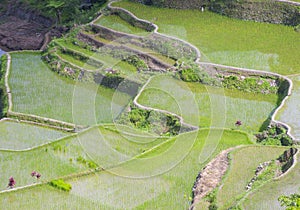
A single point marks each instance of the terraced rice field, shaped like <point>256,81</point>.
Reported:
<point>222,40</point>
<point>36,90</point>
<point>266,196</point>
<point>244,161</point>
<point>19,136</point>
<point>114,166</point>
<point>208,106</point>
<point>170,189</point>
<point>116,23</point>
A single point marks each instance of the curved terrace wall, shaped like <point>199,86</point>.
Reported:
<point>126,15</point>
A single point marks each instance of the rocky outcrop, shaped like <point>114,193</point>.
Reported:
<point>287,159</point>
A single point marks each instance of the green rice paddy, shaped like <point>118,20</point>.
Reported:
<point>140,170</point>
<point>244,161</point>
<point>227,41</point>
<point>116,190</point>
<point>208,106</point>
<point>39,91</point>
<point>19,136</point>
<point>116,23</point>
<point>266,196</point>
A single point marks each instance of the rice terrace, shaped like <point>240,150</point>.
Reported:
<point>150,104</point>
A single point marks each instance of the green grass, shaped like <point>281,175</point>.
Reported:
<point>266,196</point>
<point>131,186</point>
<point>39,91</point>
<point>116,23</point>
<point>244,161</point>
<point>228,41</point>
<point>19,136</point>
<point>290,113</point>
<point>208,106</point>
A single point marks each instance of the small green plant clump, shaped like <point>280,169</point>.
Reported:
<point>189,71</point>
<point>137,62</point>
<point>274,135</point>
<point>159,123</point>
<point>89,163</point>
<point>61,184</point>
<point>212,199</point>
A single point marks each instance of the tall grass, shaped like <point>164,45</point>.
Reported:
<point>228,41</point>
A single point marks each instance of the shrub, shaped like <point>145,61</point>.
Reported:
<point>61,184</point>
<point>274,135</point>
<point>286,140</point>
<point>189,75</point>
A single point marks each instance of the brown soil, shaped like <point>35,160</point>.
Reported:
<point>23,29</point>
<point>210,176</point>
<point>18,34</point>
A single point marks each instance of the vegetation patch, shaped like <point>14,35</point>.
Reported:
<point>276,134</point>
<point>251,84</point>
<point>3,92</point>
<point>61,185</point>
<point>67,12</point>
<point>153,121</point>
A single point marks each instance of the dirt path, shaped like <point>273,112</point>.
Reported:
<point>210,176</point>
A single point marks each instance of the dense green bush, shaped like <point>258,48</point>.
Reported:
<point>61,184</point>
<point>152,121</point>
<point>291,202</point>
<point>274,135</point>
<point>137,62</point>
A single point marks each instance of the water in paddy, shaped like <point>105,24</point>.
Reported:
<point>290,113</point>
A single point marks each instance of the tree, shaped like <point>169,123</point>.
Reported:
<point>56,8</point>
